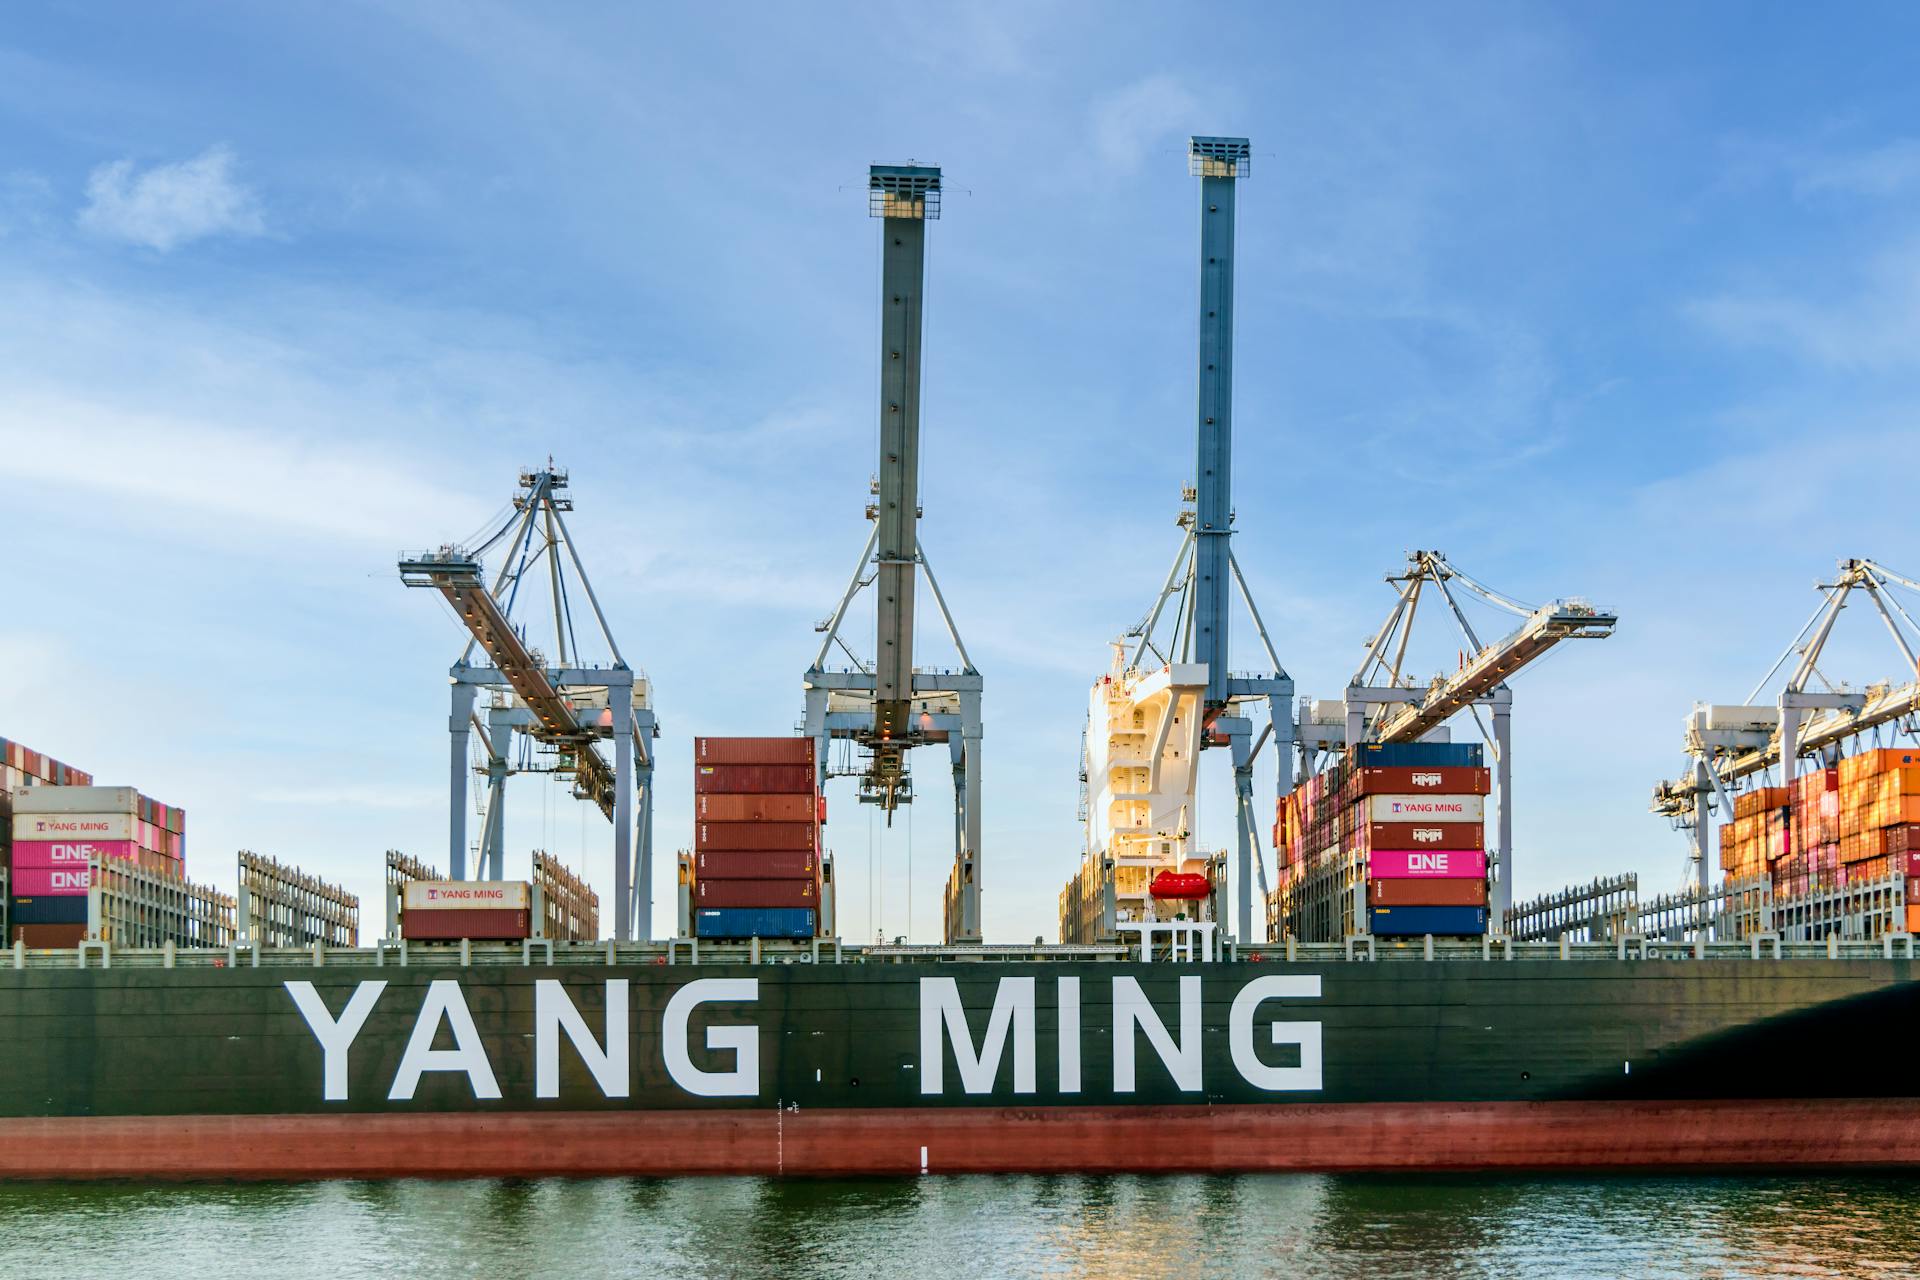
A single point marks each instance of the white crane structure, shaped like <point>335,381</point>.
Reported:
<point>1383,704</point>
<point>562,708</point>
<point>1811,716</point>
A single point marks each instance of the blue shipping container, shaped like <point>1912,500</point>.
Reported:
<point>1451,922</point>
<point>753,922</point>
<point>1416,755</point>
<point>70,909</point>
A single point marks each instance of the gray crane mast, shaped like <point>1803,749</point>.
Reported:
<point>1206,575</point>
<point>903,276</point>
<point>888,706</point>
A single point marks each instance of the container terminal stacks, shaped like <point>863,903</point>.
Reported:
<point>1391,1007</point>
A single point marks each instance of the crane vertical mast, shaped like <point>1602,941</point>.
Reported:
<point>1147,722</point>
<point>888,706</point>
<point>1218,162</point>
<point>900,199</point>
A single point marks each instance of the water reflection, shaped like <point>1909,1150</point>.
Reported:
<point>1304,1226</point>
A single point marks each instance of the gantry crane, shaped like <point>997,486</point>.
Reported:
<point>1168,697</point>
<point>1726,744</point>
<point>888,705</point>
<point>1383,705</point>
<point>565,708</point>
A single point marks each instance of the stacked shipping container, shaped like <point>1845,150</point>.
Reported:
<point>756,850</point>
<point>1851,823</point>
<point>21,769</point>
<point>1406,820</point>
<point>58,831</point>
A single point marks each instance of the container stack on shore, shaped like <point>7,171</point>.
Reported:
<point>1853,823</point>
<point>59,832</point>
<point>756,862</point>
<point>1391,840</point>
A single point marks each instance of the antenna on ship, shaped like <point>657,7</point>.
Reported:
<point>888,705</point>
<point>1171,695</point>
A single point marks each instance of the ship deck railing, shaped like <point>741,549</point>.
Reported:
<point>827,951</point>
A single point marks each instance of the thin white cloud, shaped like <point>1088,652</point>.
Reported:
<point>1133,121</point>
<point>250,484</point>
<point>1878,171</point>
<point>1875,327</point>
<point>169,205</point>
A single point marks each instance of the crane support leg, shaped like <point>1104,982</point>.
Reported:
<point>1702,823</point>
<point>643,886</point>
<point>1503,743</point>
<point>967,797</point>
<point>1279,708</point>
<point>1240,743</point>
<point>620,702</point>
<point>816,728</point>
<point>493,835</point>
<point>1789,744</point>
<point>459,724</point>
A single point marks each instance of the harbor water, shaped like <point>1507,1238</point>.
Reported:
<point>1295,1226</point>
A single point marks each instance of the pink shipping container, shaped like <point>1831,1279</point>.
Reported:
<point>51,882</point>
<point>69,853</point>
<point>1410,863</point>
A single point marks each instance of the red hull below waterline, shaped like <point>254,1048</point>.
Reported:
<point>1883,1133</point>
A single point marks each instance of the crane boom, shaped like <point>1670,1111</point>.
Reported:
<point>458,578</point>
<point>1486,670</point>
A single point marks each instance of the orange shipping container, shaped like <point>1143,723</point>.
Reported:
<point>754,808</point>
<point>798,836</point>
<point>1865,764</point>
<point>753,750</point>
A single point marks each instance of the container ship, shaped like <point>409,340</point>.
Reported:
<point>1380,1002</point>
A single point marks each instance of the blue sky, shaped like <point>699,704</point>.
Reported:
<point>1619,301</point>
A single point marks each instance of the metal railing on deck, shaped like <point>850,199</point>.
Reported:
<point>826,951</point>
<point>1583,912</point>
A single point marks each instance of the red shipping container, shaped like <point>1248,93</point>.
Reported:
<point>753,751</point>
<point>751,808</point>
<point>757,864</point>
<point>755,835</point>
<point>1427,892</point>
<point>752,779</point>
<point>453,924</point>
<point>40,937</point>
<point>755,893</point>
<point>1453,781</point>
<point>1423,835</point>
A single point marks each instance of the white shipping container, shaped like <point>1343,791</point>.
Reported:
<point>77,800</point>
<point>466,895</point>
<point>29,825</point>
<point>1426,808</point>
